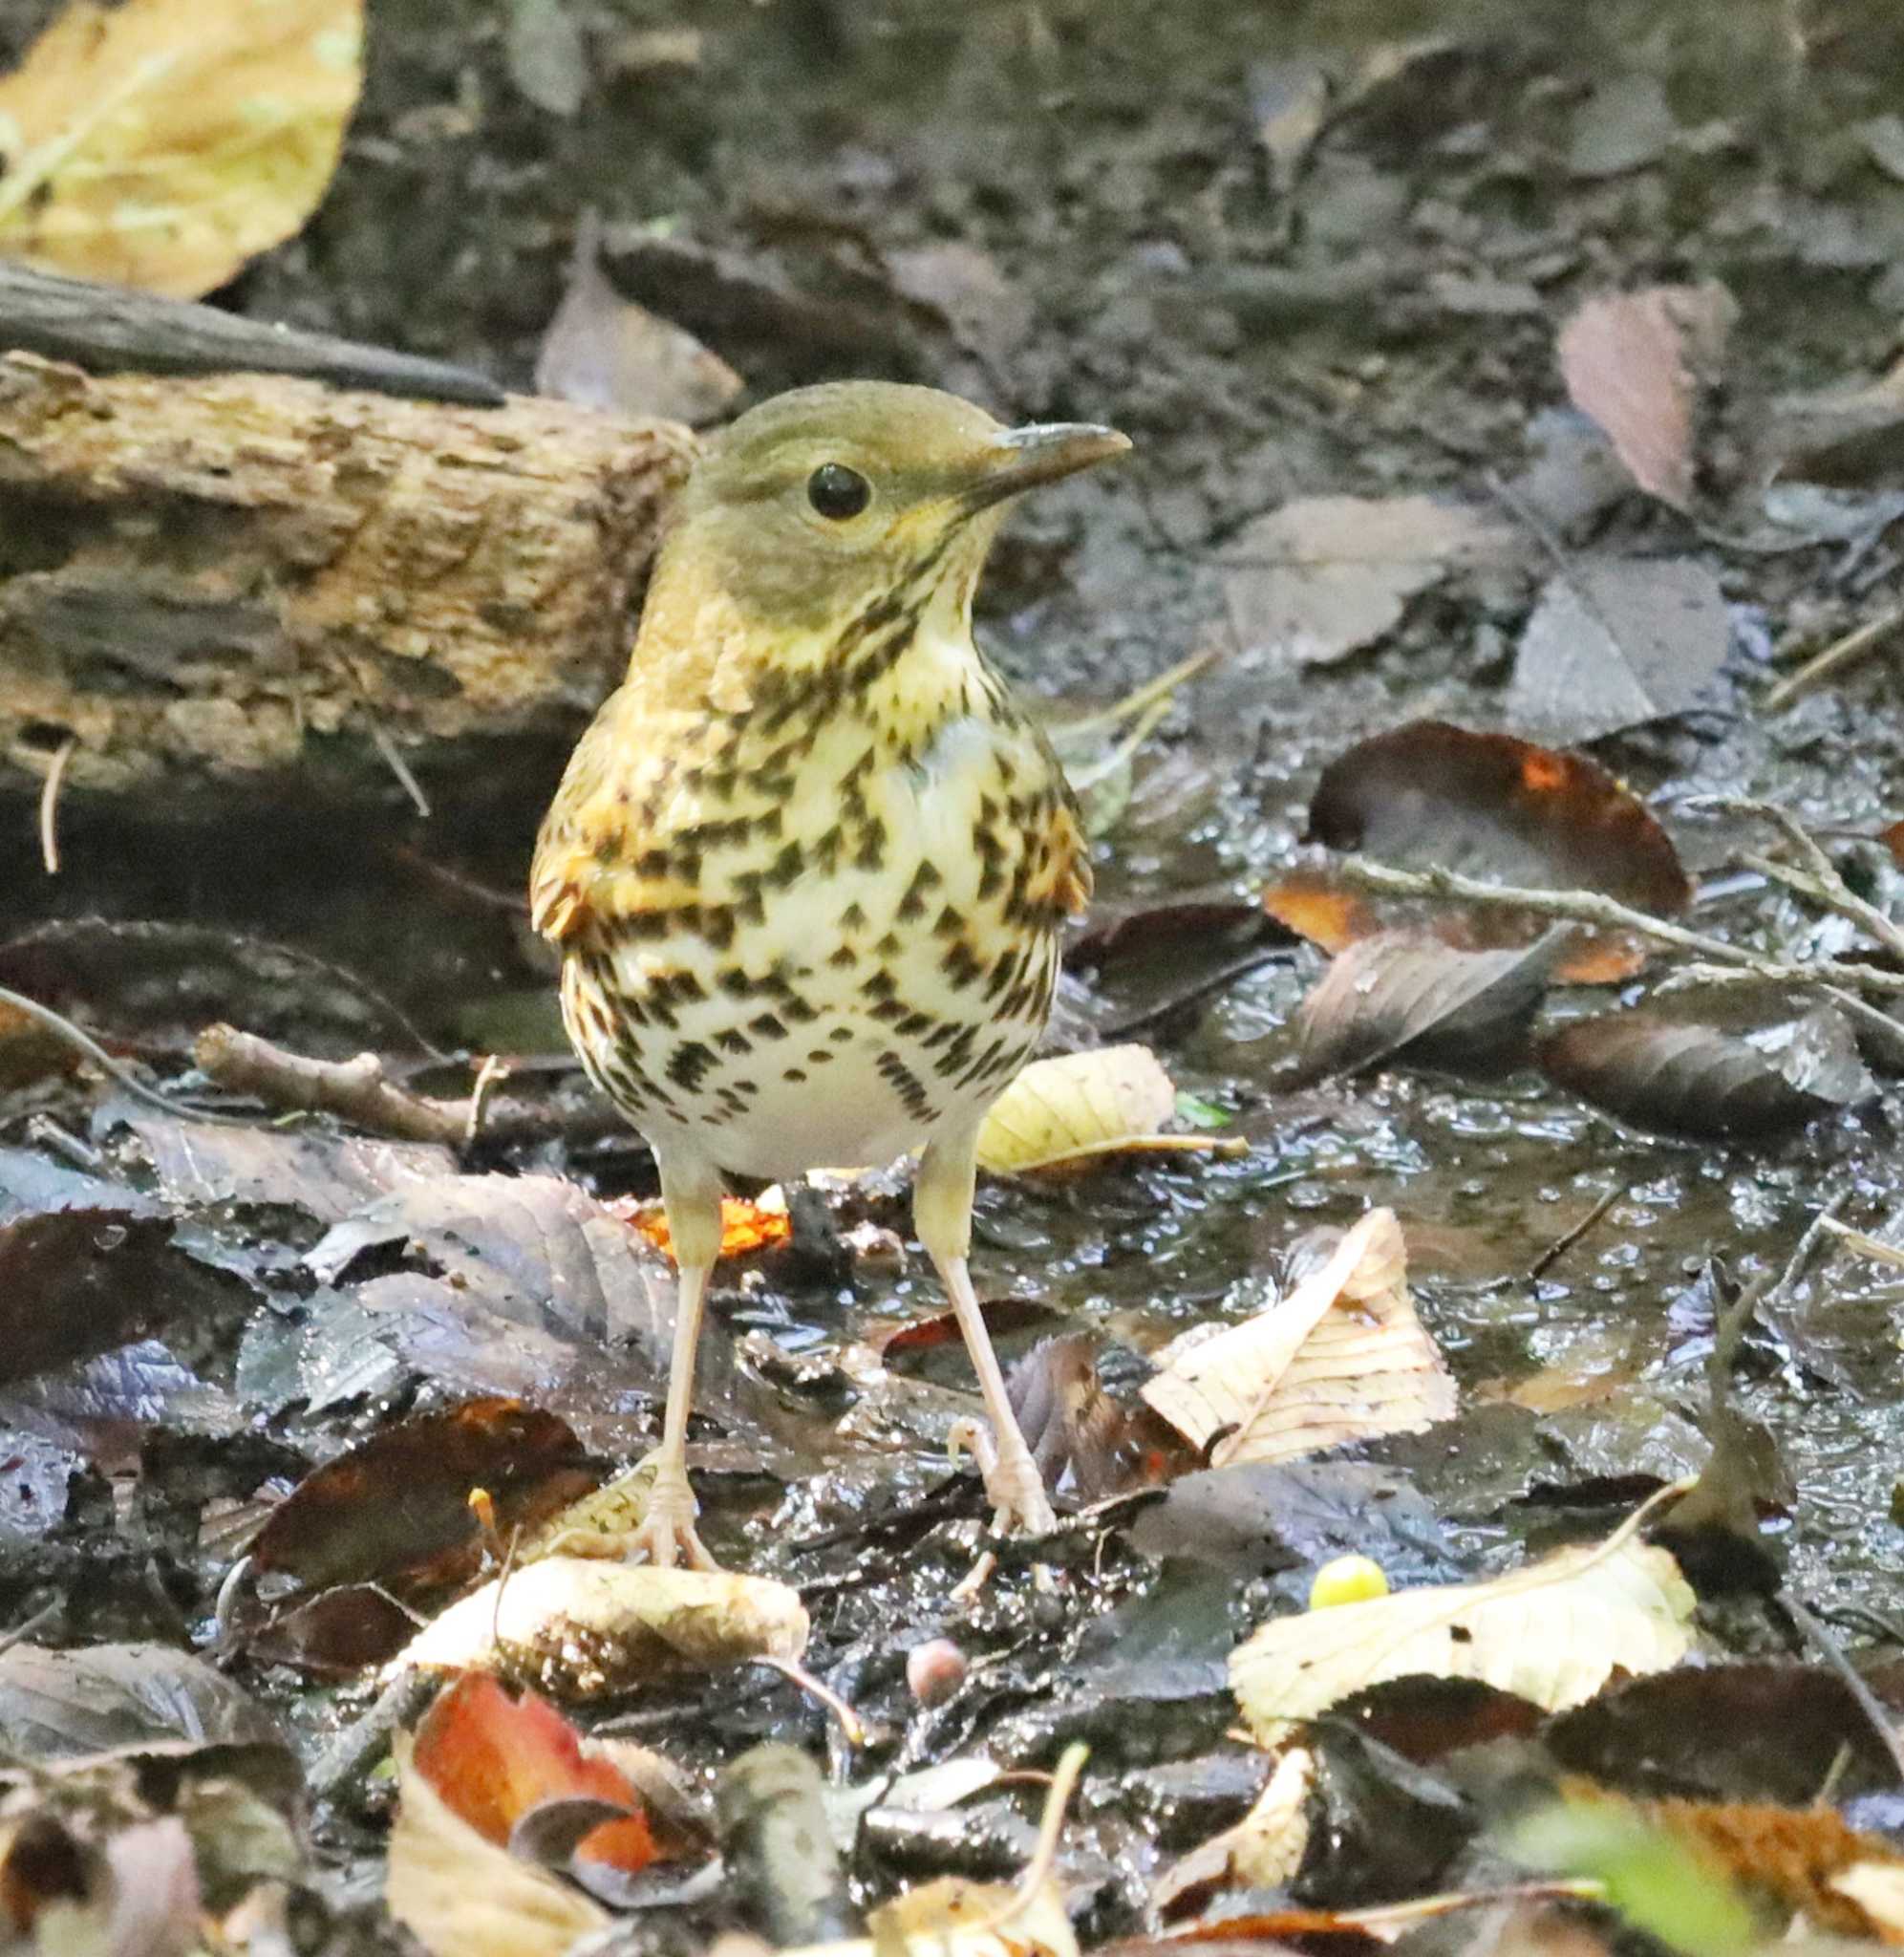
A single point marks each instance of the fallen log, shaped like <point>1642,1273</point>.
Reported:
<point>207,579</point>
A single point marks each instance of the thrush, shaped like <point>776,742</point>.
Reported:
<point>808,867</point>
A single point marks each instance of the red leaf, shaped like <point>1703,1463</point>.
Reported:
<point>493,1758</point>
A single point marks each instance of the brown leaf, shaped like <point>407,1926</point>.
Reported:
<point>1088,1445</point>
<point>1667,1074</point>
<point>339,1525</point>
<point>1632,363</point>
<point>1430,794</point>
<point>603,350</point>
<point>160,143</point>
<point>1760,1731</point>
<point>1405,997</point>
<point>86,1266</point>
<point>1312,581</point>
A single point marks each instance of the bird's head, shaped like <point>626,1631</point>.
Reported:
<point>821,502</point>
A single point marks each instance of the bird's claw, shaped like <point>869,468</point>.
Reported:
<point>1012,1478</point>
<point>666,1536</point>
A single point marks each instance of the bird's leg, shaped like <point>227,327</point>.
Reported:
<point>690,1194</point>
<point>942,1215</point>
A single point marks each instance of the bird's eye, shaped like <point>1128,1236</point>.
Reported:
<point>837,492</point>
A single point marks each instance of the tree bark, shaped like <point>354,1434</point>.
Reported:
<point>204,579</point>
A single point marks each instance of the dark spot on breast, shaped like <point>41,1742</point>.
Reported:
<point>689,1063</point>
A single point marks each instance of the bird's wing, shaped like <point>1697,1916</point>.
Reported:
<point>602,856</point>
<point>1062,880</point>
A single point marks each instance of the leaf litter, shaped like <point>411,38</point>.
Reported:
<point>874,1528</point>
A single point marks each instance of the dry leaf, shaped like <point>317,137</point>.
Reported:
<point>1342,1358</point>
<point>1408,996</point>
<point>1553,1632</point>
<point>746,1224</point>
<point>1632,363</point>
<point>1315,579</point>
<point>957,1918</point>
<point>1615,642</point>
<point>579,1628</point>
<point>160,143</point>
<point>1262,1851</point>
<point>461,1895</point>
<point>603,350</point>
<point>1108,1101</point>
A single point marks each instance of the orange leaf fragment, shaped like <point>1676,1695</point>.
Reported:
<point>492,1758</point>
<point>745,1225</point>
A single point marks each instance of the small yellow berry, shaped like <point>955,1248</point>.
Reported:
<point>1348,1580</point>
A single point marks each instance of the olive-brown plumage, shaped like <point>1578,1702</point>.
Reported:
<point>808,867</point>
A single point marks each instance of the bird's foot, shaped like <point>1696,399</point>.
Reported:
<point>1010,1477</point>
<point>665,1536</point>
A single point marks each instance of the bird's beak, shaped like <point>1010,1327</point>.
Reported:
<point>1020,459</point>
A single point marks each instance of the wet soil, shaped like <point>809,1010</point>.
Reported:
<point>1376,318</point>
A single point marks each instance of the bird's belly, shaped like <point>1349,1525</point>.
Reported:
<point>846,1035</point>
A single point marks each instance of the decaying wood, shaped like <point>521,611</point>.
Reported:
<point>205,578</point>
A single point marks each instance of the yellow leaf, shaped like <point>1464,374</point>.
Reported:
<point>160,143</point>
<point>1342,1358</point>
<point>1109,1100</point>
<point>1553,1632</point>
<point>461,1895</point>
<point>579,1628</point>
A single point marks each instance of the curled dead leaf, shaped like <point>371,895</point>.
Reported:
<point>1553,1632</point>
<point>160,143</point>
<point>1342,1358</point>
<point>1430,794</point>
<point>461,1895</point>
<point>496,1760</point>
<point>1066,1112</point>
<point>579,1628</point>
<point>1405,995</point>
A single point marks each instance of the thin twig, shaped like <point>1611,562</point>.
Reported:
<point>850,1723</point>
<point>1837,656</point>
<point>1826,1645</point>
<point>361,1092</point>
<point>380,740</point>
<point>489,1076</point>
<point>1592,907</point>
<point>21,1632</point>
<point>56,775</point>
<point>1865,1244</point>
<point>1828,895</point>
<point>1818,881</point>
<point>1783,820</point>
<point>1565,1242</point>
<point>83,1042</point>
